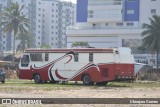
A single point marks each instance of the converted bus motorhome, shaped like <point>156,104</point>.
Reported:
<point>89,65</point>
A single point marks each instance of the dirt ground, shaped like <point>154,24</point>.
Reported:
<point>31,91</point>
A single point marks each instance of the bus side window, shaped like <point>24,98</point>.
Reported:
<point>76,57</point>
<point>36,57</point>
<point>90,57</point>
<point>46,56</point>
<point>25,61</point>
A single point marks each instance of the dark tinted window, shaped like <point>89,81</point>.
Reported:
<point>76,57</point>
<point>36,57</point>
<point>90,57</point>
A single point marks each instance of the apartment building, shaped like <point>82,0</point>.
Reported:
<point>28,11</point>
<point>53,16</point>
<point>111,23</point>
<point>48,20</point>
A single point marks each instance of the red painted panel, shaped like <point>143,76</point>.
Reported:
<point>25,74</point>
<point>112,71</point>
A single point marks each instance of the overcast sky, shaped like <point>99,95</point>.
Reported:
<point>74,1</point>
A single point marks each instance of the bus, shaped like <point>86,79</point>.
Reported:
<point>89,65</point>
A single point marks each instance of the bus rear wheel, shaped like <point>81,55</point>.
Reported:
<point>87,80</point>
<point>37,78</point>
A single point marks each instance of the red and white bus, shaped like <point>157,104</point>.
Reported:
<point>89,65</point>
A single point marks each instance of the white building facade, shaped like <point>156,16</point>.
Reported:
<point>113,23</point>
<point>53,16</point>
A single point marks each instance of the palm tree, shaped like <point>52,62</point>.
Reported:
<point>25,40</point>
<point>13,21</point>
<point>82,44</point>
<point>151,35</point>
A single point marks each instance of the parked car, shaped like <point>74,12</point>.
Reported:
<point>2,76</point>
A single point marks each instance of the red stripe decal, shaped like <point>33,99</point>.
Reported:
<point>60,77</point>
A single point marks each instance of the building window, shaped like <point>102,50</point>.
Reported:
<point>90,57</point>
<point>130,11</point>
<point>130,24</point>
<point>119,24</point>
<point>76,55</point>
<point>153,11</point>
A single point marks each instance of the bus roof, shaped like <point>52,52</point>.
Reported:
<point>79,50</point>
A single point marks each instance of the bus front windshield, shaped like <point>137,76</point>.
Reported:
<point>25,61</point>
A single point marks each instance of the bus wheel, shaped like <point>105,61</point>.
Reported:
<point>87,80</point>
<point>37,79</point>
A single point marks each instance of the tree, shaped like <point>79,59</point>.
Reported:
<point>82,44</point>
<point>25,40</point>
<point>13,21</point>
<point>151,35</point>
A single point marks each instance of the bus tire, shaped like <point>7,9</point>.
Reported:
<point>87,80</point>
<point>37,78</point>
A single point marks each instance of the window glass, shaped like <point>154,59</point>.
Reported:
<point>76,57</point>
<point>36,57</point>
<point>46,56</point>
<point>90,57</point>
<point>25,61</point>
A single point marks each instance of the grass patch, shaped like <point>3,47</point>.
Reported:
<point>17,85</point>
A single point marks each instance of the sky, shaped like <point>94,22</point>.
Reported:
<point>74,1</point>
